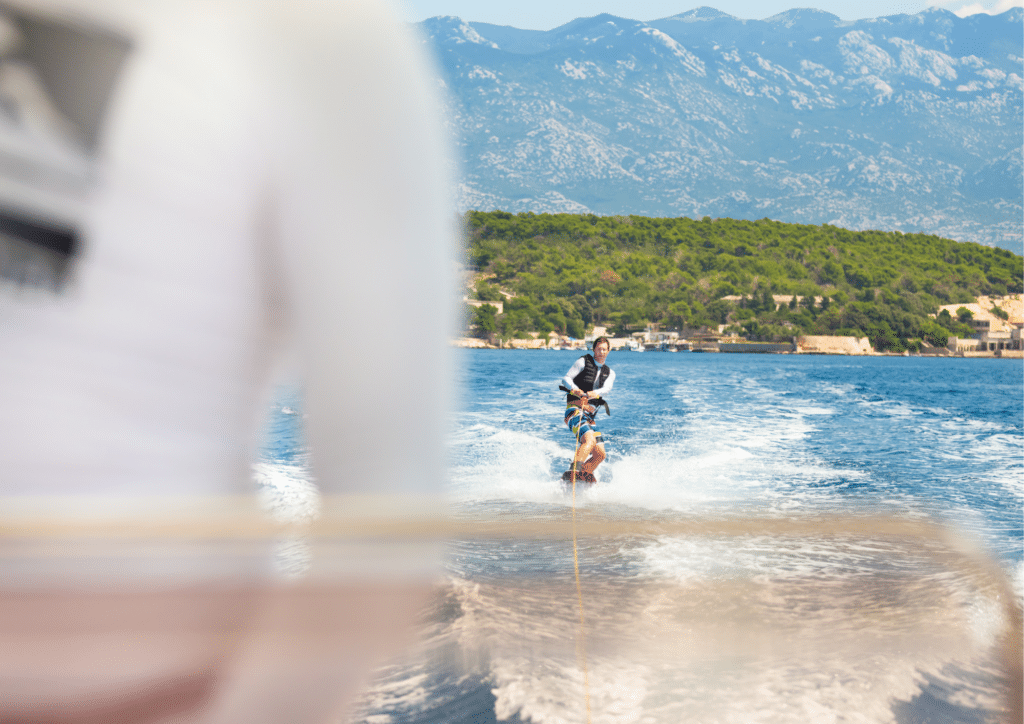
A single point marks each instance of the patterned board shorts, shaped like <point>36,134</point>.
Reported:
<point>580,423</point>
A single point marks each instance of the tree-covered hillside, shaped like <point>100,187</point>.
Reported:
<point>568,272</point>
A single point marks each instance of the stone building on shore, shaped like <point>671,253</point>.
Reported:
<point>993,335</point>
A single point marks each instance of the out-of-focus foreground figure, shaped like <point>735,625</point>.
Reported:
<point>191,192</point>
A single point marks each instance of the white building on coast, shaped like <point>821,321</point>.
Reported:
<point>992,333</point>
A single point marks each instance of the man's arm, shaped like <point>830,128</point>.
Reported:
<point>362,226</point>
<point>605,388</point>
<point>365,229</point>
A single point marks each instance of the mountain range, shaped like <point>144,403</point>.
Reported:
<point>907,122</point>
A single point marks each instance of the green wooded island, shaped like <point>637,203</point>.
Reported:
<point>567,273</point>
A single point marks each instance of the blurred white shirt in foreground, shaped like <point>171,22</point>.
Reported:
<point>194,195</point>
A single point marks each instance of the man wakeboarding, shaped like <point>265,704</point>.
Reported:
<point>585,384</point>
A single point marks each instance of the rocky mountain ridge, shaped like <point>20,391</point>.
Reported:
<point>908,122</point>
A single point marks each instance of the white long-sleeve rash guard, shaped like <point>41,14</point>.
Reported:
<point>578,367</point>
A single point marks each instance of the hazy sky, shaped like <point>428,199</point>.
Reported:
<point>547,14</point>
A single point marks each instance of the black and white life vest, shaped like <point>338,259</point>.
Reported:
<point>591,377</point>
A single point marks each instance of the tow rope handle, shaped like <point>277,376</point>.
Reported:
<point>602,403</point>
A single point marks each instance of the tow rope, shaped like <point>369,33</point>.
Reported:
<point>602,403</point>
<point>581,636</point>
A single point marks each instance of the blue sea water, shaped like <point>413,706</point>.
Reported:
<point>840,623</point>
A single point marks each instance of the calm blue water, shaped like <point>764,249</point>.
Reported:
<point>839,624</point>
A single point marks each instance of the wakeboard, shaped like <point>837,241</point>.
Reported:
<point>581,477</point>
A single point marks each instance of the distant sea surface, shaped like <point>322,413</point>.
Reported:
<point>840,622</point>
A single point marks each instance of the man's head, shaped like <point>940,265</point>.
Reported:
<point>601,347</point>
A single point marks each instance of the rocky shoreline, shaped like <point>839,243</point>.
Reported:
<point>816,345</point>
